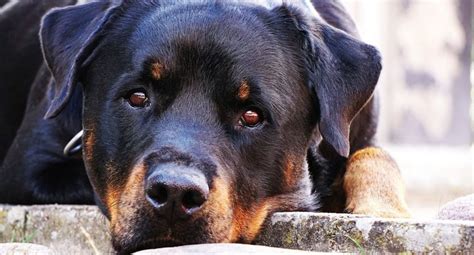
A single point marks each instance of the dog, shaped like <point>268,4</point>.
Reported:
<point>201,118</point>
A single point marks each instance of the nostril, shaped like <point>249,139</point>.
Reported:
<point>193,199</point>
<point>158,193</point>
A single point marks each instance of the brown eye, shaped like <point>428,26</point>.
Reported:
<point>250,119</point>
<point>138,99</point>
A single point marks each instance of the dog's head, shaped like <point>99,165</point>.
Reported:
<point>198,116</point>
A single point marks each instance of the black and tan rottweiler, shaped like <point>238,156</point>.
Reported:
<point>200,118</point>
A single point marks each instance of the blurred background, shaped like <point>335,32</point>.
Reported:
<point>426,90</point>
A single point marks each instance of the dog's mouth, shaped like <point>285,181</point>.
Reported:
<point>151,234</point>
<point>152,243</point>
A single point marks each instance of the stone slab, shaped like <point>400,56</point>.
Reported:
<point>360,234</point>
<point>83,229</point>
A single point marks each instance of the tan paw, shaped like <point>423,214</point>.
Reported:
<point>374,186</point>
<point>379,210</point>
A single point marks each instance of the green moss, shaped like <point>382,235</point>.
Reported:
<point>288,240</point>
<point>357,242</point>
<point>19,237</point>
<point>3,216</point>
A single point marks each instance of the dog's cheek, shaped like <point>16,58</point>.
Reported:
<point>125,202</point>
<point>247,222</point>
<point>89,144</point>
<point>94,165</point>
<point>293,167</point>
<point>218,210</point>
<point>231,219</point>
<point>249,216</point>
<point>99,172</point>
<point>113,198</point>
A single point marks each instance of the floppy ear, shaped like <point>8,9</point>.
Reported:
<point>343,72</point>
<point>68,36</point>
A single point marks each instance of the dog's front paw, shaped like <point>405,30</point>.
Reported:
<point>373,185</point>
<point>377,209</point>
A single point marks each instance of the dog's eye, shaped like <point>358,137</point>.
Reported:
<point>250,118</point>
<point>138,99</point>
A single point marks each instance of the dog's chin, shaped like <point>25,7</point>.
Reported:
<point>152,243</point>
<point>144,239</point>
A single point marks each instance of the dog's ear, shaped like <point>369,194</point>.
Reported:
<point>68,36</point>
<point>342,71</point>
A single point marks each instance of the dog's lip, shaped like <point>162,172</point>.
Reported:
<point>153,243</point>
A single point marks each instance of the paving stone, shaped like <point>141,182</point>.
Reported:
<point>222,249</point>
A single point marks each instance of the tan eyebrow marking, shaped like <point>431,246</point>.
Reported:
<point>157,70</point>
<point>244,90</point>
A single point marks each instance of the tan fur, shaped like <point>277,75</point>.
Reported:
<point>374,186</point>
<point>111,200</point>
<point>244,91</point>
<point>157,70</point>
<point>289,172</point>
<point>120,196</point>
<point>89,142</point>
<point>292,172</point>
<point>246,223</point>
<point>112,193</point>
<point>218,208</point>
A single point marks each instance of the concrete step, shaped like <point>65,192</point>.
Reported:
<point>83,230</point>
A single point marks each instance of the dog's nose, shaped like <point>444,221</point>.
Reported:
<point>176,193</point>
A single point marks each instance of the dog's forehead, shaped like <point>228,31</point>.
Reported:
<point>209,42</point>
<point>304,5</point>
<point>264,3</point>
<point>196,20</point>
<point>203,29</point>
